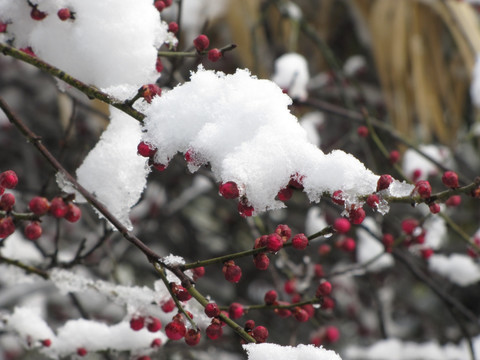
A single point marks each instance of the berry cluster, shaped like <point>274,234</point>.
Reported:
<point>147,150</point>
<point>201,43</point>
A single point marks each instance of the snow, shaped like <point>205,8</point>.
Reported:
<point>113,171</point>
<point>459,269</point>
<point>414,161</point>
<point>368,247</point>
<point>436,232</point>
<point>242,126</point>
<point>267,351</point>
<point>291,74</point>
<point>311,122</point>
<point>315,221</point>
<point>354,64</point>
<point>115,35</point>
<point>27,323</point>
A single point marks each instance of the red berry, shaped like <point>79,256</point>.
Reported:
<point>192,337</point>
<point>144,357</point>
<point>7,201</point>
<point>324,289</point>
<point>64,14</point>
<point>214,55</point>
<point>160,5</point>
<point>235,310</point>
<point>201,42</point>
<point>296,181</point>
<point>423,189</point>
<point>157,342</point>
<point>168,2</point>
<point>198,272</point>
<point>285,194</point>
<point>324,249</point>
<point>270,297</point>
<point>159,65</point>
<point>39,205</point>
<point>283,312</point>
<point>388,240</point>
<point>73,214</point>
<point>173,27</point>
<point>82,351</point>
<point>409,225</point>
<point>46,342</point>
<point>290,286</point>
<point>37,14</point>
<point>373,201</point>
<point>232,272</point>
<point>150,91</point>
<point>261,261</point>
<point>453,201</point>
<point>274,242</point>
<point>337,197</point>
<point>29,51</point>
<point>300,314</point>
<point>2,190</point>
<point>159,167</point>
<point>434,208</point>
<point>384,182</point>
<point>245,210</point>
<point>348,244</point>
<point>3,27</point>
<point>341,225</point>
<point>450,179</point>
<point>229,190</point>
<point>33,230</point>
<point>168,306</point>
<point>137,323</point>
<point>309,309</point>
<point>153,324</point>
<point>327,303</point>
<point>249,325</point>
<point>356,215</point>
<point>181,292</point>
<point>260,242</point>
<point>212,310</point>
<point>362,131</point>
<point>284,231</point>
<point>426,253</point>
<point>300,242</point>
<point>319,271</point>
<point>8,179</point>
<point>175,330</point>
<point>332,334</point>
<point>260,334</point>
<point>7,227</point>
<point>394,156</point>
<point>58,208</point>
<point>416,174</point>
<point>214,331</point>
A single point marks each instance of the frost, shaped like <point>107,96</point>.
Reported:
<point>113,171</point>
<point>459,269</point>
<point>268,351</point>
<point>368,248</point>
<point>242,126</point>
<point>291,73</point>
<point>120,37</point>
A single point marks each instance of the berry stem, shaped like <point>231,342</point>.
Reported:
<point>29,269</point>
<point>193,53</point>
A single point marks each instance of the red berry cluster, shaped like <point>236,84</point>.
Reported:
<point>153,324</point>
<point>147,150</point>
<point>160,5</point>
<point>202,42</point>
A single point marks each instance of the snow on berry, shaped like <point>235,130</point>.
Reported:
<point>246,144</point>
<point>373,201</point>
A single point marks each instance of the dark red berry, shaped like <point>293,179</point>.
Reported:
<point>285,194</point>
<point>232,272</point>
<point>290,286</point>
<point>235,310</point>
<point>362,131</point>
<point>324,289</point>
<point>450,179</point>
<point>7,201</point>
<point>394,156</point>
<point>332,334</point>
<point>181,292</point>
<point>82,351</point>
<point>8,179</point>
<point>192,337</point>
<point>348,244</point>
<point>214,331</point>
<point>356,215</point>
<point>58,208</point>
<point>159,65</point>
<point>284,231</point>
<point>175,330</point>
<point>153,324</point>
<point>453,201</point>
<point>423,189</point>
<point>39,205</point>
<point>168,306</point>
<point>33,230</point>
<point>300,242</point>
<point>7,227</point>
<point>319,271</point>
<point>229,190</point>
<point>73,214</point>
<point>157,342</point>
<point>198,272</point>
<point>36,14</point>
<point>373,201</point>
<point>160,5</point>
<point>201,42</point>
<point>212,310</point>
<point>64,14</point>
<point>46,342</point>
<point>274,242</point>
<point>388,240</point>
<point>409,225</point>
<point>426,253</point>
<point>173,27</point>
<point>261,261</point>
<point>214,55</point>
<point>434,208</point>
<point>270,297</point>
<point>137,323</point>
<point>384,182</point>
<point>300,314</point>
<point>150,91</point>
<point>245,210</point>
<point>260,334</point>
<point>337,197</point>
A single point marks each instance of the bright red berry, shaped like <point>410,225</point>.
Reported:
<point>373,201</point>
<point>160,5</point>
<point>39,205</point>
<point>8,179</point>
<point>235,310</point>
<point>245,210</point>
<point>261,261</point>
<point>192,337</point>
<point>175,330</point>
<point>356,215</point>
<point>229,190</point>
<point>160,167</point>
<point>159,65</point>
<point>29,51</point>
<point>337,197</point>
<point>260,334</point>
<point>388,240</point>
<point>324,289</point>
<point>394,156</point>
<point>270,297</point>
<point>434,208</point>
<point>150,91</point>
<point>168,306</point>
<point>201,42</point>
<point>173,27</point>
<point>409,225</point>
<point>46,342</point>
<point>58,208</point>
<point>157,342</point>
<point>82,351</point>
<point>384,182</point>
<point>153,324</point>
<point>7,201</point>
<point>300,242</point>
<point>309,309</point>
<point>3,27</point>
<point>212,310</point>
<point>36,14</point>
<point>7,227</point>
<point>426,253</point>
<point>362,131</point>
<point>284,231</point>
<point>450,179</point>
<point>73,214</point>
<point>348,244</point>
<point>274,242</point>
<point>137,323</point>
<point>285,194</point>
<point>341,225</point>
<point>453,201</point>
<point>300,314</point>
<point>214,331</point>
<point>33,230</point>
<point>144,357</point>
<point>423,189</point>
<point>232,272</point>
<point>198,272</point>
<point>214,55</point>
<point>332,334</point>
<point>64,14</point>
